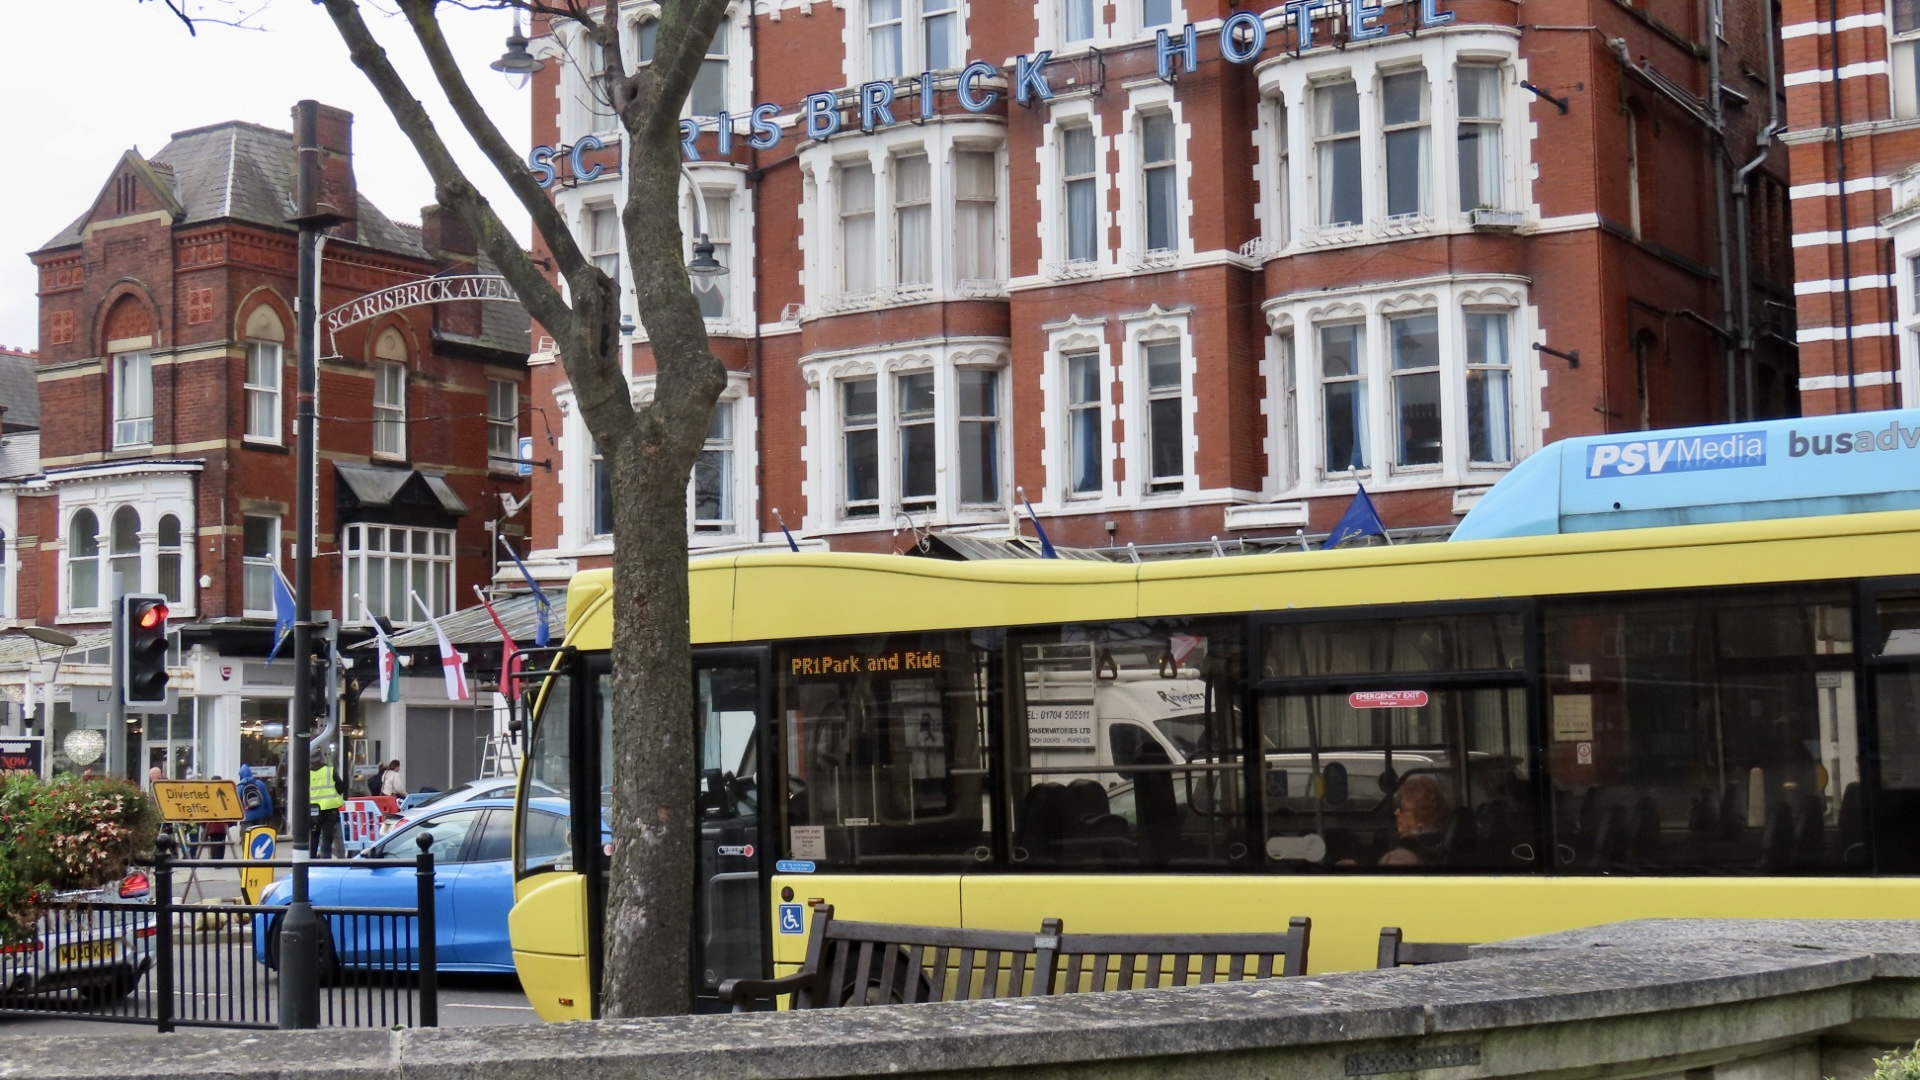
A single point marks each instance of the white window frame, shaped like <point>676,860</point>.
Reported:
<point>262,567</point>
<point>1493,194</point>
<point>828,453</point>
<point>1077,337</point>
<point>582,110</point>
<point>1325,138</point>
<point>603,250</point>
<point>1903,72</point>
<point>503,424</point>
<point>910,21</point>
<point>730,228</point>
<point>1144,332</point>
<point>263,396</point>
<point>738,521</point>
<point>436,560</point>
<point>1074,177</point>
<point>94,547</point>
<point>1056,246</point>
<point>123,556</point>
<point>170,558</point>
<point>1294,220</point>
<point>719,448</point>
<point>1297,445</point>
<point>389,409</point>
<point>1422,127</point>
<point>1143,102</point>
<point>830,288</point>
<point>132,373</point>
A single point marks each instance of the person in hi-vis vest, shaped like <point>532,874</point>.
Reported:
<point>323,791</point>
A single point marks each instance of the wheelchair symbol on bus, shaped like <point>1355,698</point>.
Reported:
<point>793,918</point>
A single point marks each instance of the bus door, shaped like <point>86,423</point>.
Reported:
<point>730,917</point>
<point>1891,618</point>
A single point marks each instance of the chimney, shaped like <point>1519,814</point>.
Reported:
<point>337,189</point>
<point>446,237</point>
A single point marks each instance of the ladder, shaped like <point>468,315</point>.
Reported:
<point>498,757</point>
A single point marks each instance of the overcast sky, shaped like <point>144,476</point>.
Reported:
<point>130,75</point>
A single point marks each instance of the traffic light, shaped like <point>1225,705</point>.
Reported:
<point>143,651</point>
<point>319,701</point>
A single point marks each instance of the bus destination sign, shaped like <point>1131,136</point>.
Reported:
<point>855,664</point>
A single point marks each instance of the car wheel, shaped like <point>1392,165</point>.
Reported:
<point>328,968</point>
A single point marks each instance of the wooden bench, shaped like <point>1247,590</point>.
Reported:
<point>1396,952</point>
<point>860,963</point>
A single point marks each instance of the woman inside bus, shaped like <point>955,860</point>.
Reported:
<point>1421,813</point>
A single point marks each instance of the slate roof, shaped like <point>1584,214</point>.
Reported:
<point>244,172</point>
<point>19,391</point>
<point>20,455</point>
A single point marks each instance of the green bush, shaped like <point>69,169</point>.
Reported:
<point>1898,1065</point>
<point>66,833</point>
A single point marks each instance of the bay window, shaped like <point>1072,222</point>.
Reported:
<point>924,440</point>
<point>168,560</point>
<point>387,564</point>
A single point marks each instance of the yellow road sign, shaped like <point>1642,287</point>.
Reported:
<point>197,800</point>
<point>253,877</point>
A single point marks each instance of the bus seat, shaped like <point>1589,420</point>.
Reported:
<point>1043,821</point>
<point>1703,816</point>
<point>1499,832</point>
<point>1086,799</point>
<point>1646,830</point>
<point>1853,829</point>
<point>1458,843</point>
<point>1610,838</point>
<point>1809,831</point>
<point>1733,803</point>
<point>1154,803</point>
<point>1589,819</point>
<point>1776,839</point>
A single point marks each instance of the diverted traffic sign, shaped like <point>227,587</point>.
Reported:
<point>197,800</point>
<point>1387,699</point>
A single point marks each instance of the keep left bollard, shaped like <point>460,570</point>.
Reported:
<point>427,953</point>
<point>163,933</point>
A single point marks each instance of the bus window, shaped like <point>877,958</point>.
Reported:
<point>1124,747</point>
<point>1896,695</point>
<point>1705,731</point>
<point>1368,761</point>
<point>886,750</point>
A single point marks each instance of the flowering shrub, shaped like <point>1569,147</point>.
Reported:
<point>65,833</point>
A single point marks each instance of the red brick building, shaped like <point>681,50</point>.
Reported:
<point>166,379</point>
<point>1174,270</point>
<point>1850,72</point>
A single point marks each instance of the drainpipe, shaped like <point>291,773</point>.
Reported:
<point>1840,182</point>
<point>1717,110</point>
<point>1764,147</point>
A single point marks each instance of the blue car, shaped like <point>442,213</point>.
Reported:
<point>473,889</point>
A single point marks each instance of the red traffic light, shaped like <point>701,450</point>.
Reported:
<point>153,615</point>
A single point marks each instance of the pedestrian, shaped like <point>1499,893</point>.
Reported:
<point>256,799</point>
<point>376,780</point>
<point>215,834</point>
<point>323,792</point>
<point>390,781</point>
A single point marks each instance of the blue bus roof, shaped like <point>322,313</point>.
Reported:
<point>1803,467</point>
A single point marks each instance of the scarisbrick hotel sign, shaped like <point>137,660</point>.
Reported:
<point>1242,40</point>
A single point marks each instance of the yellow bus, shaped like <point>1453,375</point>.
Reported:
<point>1469,740</point>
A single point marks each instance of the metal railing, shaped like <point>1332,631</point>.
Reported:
<point>171,965</point>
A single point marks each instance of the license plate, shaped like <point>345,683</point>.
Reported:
<point>87,952</point>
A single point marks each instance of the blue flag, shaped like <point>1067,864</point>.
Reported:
<point>282,613</point>
<point>1359,520</point>
<point>542,631</point>
<point>1046,545</point>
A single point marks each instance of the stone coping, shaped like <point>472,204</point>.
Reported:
<point>1591,975</point>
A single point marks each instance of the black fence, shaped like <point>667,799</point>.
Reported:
<point>158,962</point>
